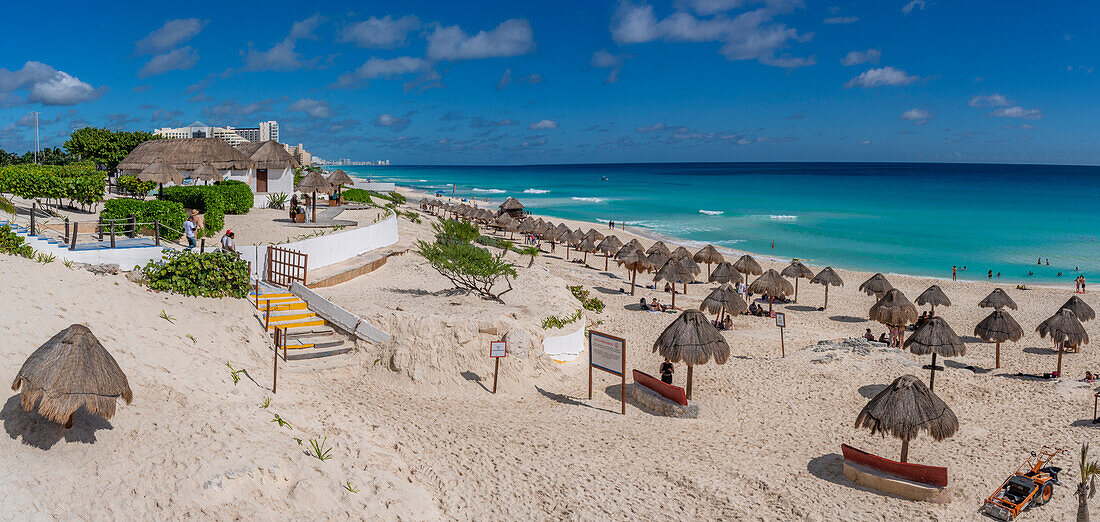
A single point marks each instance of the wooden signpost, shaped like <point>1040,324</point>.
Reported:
<point>607,353</point>
<point>497,349</point>
<point>781,322</point>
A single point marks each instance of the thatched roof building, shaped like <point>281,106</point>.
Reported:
<point>748,266</point>
<point>160,171</point>
<point>339,177</point>
<point>268,154</point>
<point>708,255</point>
<point>314,182</point>
<point>512,207</point>
<point>773,284</point>
<point>904,409</point>
<point>186,155</point>
<point>724,299</point>
<point>70,371</point>
<point>207,172</point>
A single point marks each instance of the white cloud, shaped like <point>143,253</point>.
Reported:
<point>1017,112</point>
<point>46,85</point>
<point>865,142</point>
<point>311,107</point>
<point>233,108</point>
<point>381,33</point>
<point>918,116</point>
<point>282,56</point>
<point>842,20</point>
<point>171,34</point>
<point>915,4</point>
<point>543,125</point>
<point>603,59</point>
<point>383,68</point>
<point>860,57</point>
<point>1024,126</point>
<point>511,38</point>
<point>749,36</point>
<point>709,7</point>
<point>176,60</point>
<point>391,122</point>
<point>165,115</point>
<point>992,100</point>
<point>881,77</point>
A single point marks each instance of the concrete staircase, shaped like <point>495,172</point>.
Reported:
<point>307,335</point>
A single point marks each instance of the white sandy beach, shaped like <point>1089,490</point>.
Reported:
<point>414,428</point>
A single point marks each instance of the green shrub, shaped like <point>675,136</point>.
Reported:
<point>210,200</point>
<point>134,188</point>
<point>76,183</point>
<point>238,196</point>
<point>502,244</point>
<point>170,214</point>
<point>468,266</point>
<point>454,231</point>
<point>277,200</point>
<point>14,244</point>
<point>589,303</point>
<point>558,322</point>
<point>211,274</point>
<point>357,195</point>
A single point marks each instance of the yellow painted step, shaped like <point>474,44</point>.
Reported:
<point>292,317</point>
<point>272,296</point>
<point>299,305</point>
<point>313,322</point>
<point>298,346</point>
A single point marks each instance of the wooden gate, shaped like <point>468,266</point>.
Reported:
<point>285,266</point>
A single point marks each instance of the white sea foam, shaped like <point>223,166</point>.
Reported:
<point>712,212</point>
<point>422,181</point>
<point>489,191</point>
<point>589,200</point>
<point>782,216</point>
<point>535,191</point>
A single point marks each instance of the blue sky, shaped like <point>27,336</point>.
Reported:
<point>559,82</point>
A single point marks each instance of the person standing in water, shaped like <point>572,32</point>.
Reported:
<point>955,273</point>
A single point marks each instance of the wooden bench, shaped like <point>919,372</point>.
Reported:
<point>912,481</point>
<point>673,393</point>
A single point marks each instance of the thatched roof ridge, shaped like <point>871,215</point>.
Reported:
<point>894,309</point>
<point>935,336</point>
<point>207,172</point>
<point>70,371</point>
<point>998,298</point>
<point>724,299</point>
<point>773,284</point>
<point>999,327</point>
<point>827,277</point>
<point>796,270</point>
<point>160,171</point>
<point>511,204</point>
<point>185,154</point>
<point>1080,308</point>
<point>693,340</point>
<point>1064,327</point>
<point>876,285</point>
<point>271,154</point>
<point>933,296</point>
<point>748,266</point>
<point>905,408</point>
<point>708,254</point>
<point>595,235</point>
<point>610,245</point>
<point>680,253</point>
<point>629,248</point>
<point>659,246</point>
<point>725,273</point>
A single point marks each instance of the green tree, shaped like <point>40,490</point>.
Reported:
<point>465,265</point>
<point>103,146</point>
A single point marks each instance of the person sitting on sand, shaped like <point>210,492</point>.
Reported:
<point>668,287</point>
<point>727,322</point>
<point>645,306</point>
<point>666,371</point>
<point>656,306</point>
<point>1089,377</point>
<point>754,309</point>
<point>868,335</point>
<point>883,338</point>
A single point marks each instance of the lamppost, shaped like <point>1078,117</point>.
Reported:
<point>35,113</point>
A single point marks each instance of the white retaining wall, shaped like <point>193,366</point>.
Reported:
<point>565,348</point>
<point>330,248</point>
<point>338,316</point>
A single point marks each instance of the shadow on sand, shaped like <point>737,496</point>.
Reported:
<point>471,376</point>
<point>1041,351</point>
<point>847,319</point>
<point>801,308</point>
<point>868,391</point>
<point>571,401</point>
<point>42,433</point>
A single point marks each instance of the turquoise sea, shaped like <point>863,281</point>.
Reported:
<point>908,218</point>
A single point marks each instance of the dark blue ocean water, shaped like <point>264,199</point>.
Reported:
<point>911,218</point>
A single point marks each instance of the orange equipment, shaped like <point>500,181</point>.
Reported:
<point>1031,485</point>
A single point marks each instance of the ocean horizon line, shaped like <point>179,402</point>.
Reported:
<point>744,163</point>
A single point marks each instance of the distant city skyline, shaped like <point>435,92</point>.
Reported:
<point>494,82</point>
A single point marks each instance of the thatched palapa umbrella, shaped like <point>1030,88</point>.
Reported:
<point>160,172</point>
<point>997,299</point>
<point>772,284</point>
<point>1063,327</point>
<point>673,271</point>
<point>314,182</point>
<point>1080,308</point>
<point>632,245</point>
<point>724,300</point>
<point>876,285</point>
<point>797,270</point>
<point>692,266</point>
<point>894,309</point>
<point>206,172</point>
<point>609,247</point>
<point>70,371</point>
<point>933,296</point>
<point>904,409</point>
<point>565,238</point>
<point>747,266</point>
<point>692,339</point>
<point>827,277</point>
<point>512,207</point>
<point>594,235</point>
<point>708,255</point>
<point>999,327</point>
<point>724,273</point>
<point>586,245</point>
<point>635,262</point>
<point>937,338</point>
<point>338,179</point>
<point>659,247</point>
<point>680,253</point>
<point>658,259</point>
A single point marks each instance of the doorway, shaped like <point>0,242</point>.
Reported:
<point>261,180</point>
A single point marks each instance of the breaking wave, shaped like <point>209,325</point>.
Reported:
<point>712,212</point>
<point>535,191</point>
<point>489,191</point>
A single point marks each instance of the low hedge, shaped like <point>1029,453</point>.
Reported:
<point>356,195</point>
<point>238,196</point>
<point>210,274</point>
<point>170,214</point>
<point>76,183</point>
<point>210,200</point>
<point>135,188</point>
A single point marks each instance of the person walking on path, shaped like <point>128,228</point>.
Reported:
<point>228,246</point>
<point>189,228</point>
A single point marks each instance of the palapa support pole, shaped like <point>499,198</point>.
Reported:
<point>605,258</point>
<point>267,316</point>
<point>1060,345</point>
<point>313,203</point>
<point>202,245</point>
<point>932,379</point>
<point>496,370</point>
<point>590,379</point>
<point>826,297</point>
<point>998,354</point>
<point>275,367</point>
<point>112,234</point>
<point>633,277</point>
<point>782,346</point>
<point>904,450</point>
<point>690,367</point>
<point>796,289</point>
<point>623,387</point>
